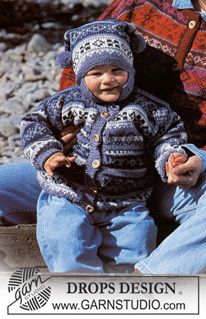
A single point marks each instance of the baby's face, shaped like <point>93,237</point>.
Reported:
<point>106,82</point>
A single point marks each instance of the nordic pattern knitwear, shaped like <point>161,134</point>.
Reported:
<point>116,147</point>
<point>99,43</point>
<point>170,47</point>
<point>102,42</point>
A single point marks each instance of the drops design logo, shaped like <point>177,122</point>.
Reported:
<point>30,290</point>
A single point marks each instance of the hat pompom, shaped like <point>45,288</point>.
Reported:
<point>137,42</point>
<point>64,59</point>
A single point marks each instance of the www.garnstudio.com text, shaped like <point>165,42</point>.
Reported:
<point>123,289</point>
<point>119,304</point>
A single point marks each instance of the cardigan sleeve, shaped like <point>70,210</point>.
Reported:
<point>40,130</point>
<point>162,128</point>
<point>170,137</point>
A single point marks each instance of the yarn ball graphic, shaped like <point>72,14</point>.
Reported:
<point>38,296</point>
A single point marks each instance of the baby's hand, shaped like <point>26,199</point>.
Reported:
<point>176,159</point>
<point>56,160</point>
<point>183,179</point>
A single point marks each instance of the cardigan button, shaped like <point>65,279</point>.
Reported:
<point>96,138</point>
<point>89,209</point>
<point>96,164</point>
<point>175,67</point>
<point>94,190</point>
<point>104,114</point>
<point>192,24</point>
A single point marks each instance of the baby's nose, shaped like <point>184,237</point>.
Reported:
<point>108,77</point>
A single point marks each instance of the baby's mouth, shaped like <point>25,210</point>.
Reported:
<point>109,89</point>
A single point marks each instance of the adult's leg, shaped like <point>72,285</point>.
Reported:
<point>67,240</point>
<point>127,237</point>
<point>183,251</point>
<point>19,191</point>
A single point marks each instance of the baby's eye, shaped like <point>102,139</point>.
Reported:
<point>93,73</point>
<point>117,70</point>
<point>96,73</point>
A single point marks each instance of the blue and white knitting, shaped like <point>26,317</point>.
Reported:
<point>99,43</point>
<point>113,171</point>
<point>118,144</point>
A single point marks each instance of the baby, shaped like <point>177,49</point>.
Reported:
<point>92,214</point>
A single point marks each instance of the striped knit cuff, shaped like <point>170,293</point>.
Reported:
<point>160,164</point>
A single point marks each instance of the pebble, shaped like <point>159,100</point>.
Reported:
<point>3,47</point>
<point>38,44</point>
<point>7,127</point>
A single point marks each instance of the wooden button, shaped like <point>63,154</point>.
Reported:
<point>192,24</point>
<point>96,138</point>
<point>89,209</point>
<point>94,190</point>
<point>175,67</point>
<point>96,164</point>
<point>104,114</point>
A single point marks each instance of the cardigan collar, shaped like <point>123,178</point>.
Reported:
<point>186,4</point>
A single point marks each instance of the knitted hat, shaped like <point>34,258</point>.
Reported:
<point>99,43</point>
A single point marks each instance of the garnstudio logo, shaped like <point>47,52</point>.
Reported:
<point>30,290</point>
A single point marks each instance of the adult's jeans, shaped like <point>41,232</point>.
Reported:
<point>73,240</point>
<point>19,191</point>
<point>182,252</point>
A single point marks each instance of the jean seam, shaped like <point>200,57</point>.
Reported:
<point>180,211</point>
<point>45,243</point>
<point>140,266</point>
<point>156,250</point>
<point>21,210</point>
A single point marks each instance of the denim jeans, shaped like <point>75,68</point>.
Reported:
<point>19,191</point>
<point>73,240</point>
<point>182,252</point>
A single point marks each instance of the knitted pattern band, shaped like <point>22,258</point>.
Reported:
<point>99,43</point>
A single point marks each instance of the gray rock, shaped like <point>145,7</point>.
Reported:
<point>51,25</point>
<point>3,46</point>
<point>12,106</point>
<point>7,127</point>
<point>39,95</point>
<point>38,44</point>
<point>6,89</point>
<point>95,2</point>
<point>33,74</point>
<point>2,143</point>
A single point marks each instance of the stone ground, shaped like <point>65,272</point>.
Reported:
<point>19,248</point>
<point>31,35</point>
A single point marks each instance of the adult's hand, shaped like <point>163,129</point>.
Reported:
<point>68,137</point>
<point>56,160</point>
<point>185,175</point>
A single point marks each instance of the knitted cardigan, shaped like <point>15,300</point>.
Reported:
<point>173,66</point>
<point>116,147</point>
